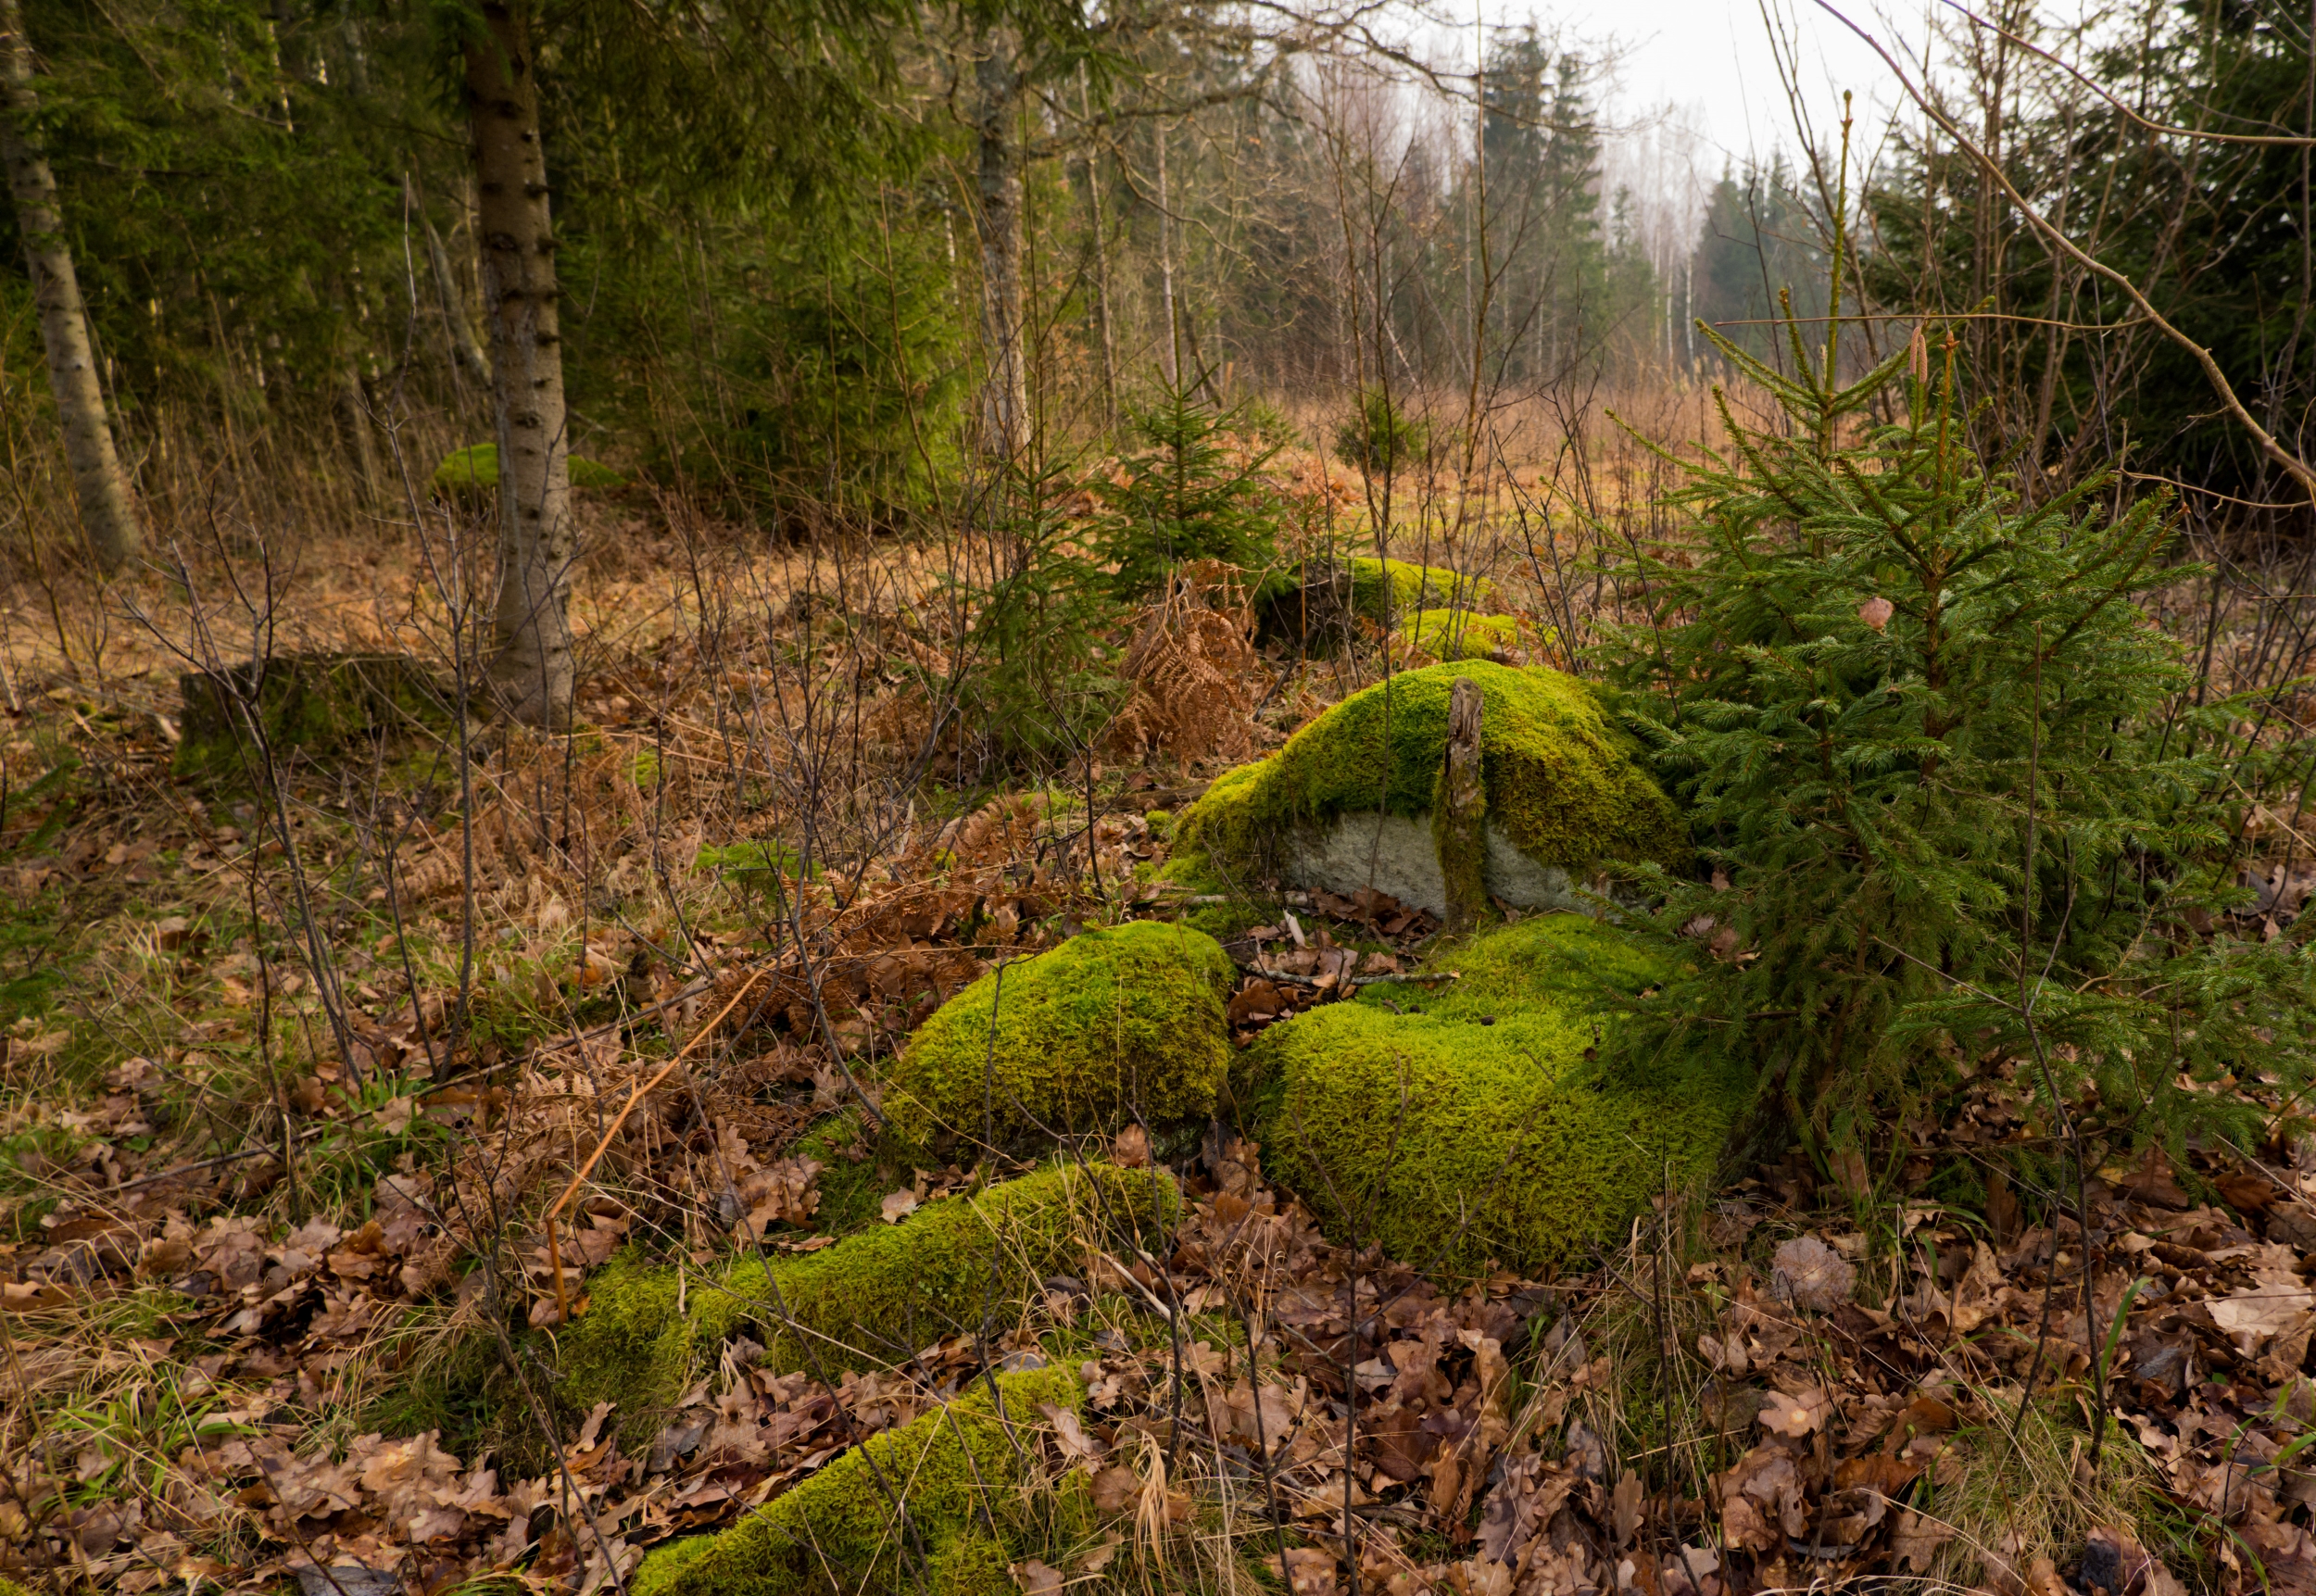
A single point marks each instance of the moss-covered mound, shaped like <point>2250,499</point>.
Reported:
<point>1489,1121</point>
<point>1564,784</point>
<point>1460,634</point>
<point>1117,1023</point>
<point>911,1510</point>
<point>1382,589</point>
<point>869,1301</point>
<point>473,472</point>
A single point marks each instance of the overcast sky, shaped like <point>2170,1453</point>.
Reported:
<point>1717,59</point>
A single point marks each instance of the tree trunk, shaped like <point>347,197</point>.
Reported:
<point>1459,814</point>
<point>1005,395</point>
<point>354,400</point>
<point>108,513</point>
<point>532,671</point>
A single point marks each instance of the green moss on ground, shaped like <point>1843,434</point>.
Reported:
<point>474,472</point>
<point>1488,1121</point>
<point>1460,634</point>
<point>869,1301</point>
<point>1120,1023</point>
<point>1382,590</point>
<point>958,1473</point>
<point>1563,779</point>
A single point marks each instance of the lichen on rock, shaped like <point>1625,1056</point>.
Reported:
<point>1486,1121</point>
<point>926,1508</point>
<point>869,1301</point>
<point>1118,1022</point>
<point>1566,787</point>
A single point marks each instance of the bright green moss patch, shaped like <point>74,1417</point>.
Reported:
<point>1459,634</point>
<point>1382,589</point>
<point>1564,782</point>
<point>869,1301</point>
<point>953,1475</point>
<point>1486,1122</point>
<point>1125,1022</point>
<point>474,470</point>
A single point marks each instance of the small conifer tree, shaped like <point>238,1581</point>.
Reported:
<point>1183,498</point>
<point>1948,777</point>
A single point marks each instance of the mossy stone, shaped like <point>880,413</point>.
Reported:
<point>473,472</point>
<point>954,1474</point>
<point>1384,590</point>
<point>1119,1022</point>
<point>311,705</point>
<point>1459,634</point>
<point>1487,1120</point>
<point>872,1300</point>
<point>1564,784</point>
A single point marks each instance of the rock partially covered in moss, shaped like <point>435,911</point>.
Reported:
<point>911,1510</point>
<point>1121,1023</point>
<point>306,705</point>
<point>1346,804</point>
<point>1386,590</point>
<point>1459,634</point>
<point>473,472</point>
<point>1487,1120</point>
<point>870,1301</point>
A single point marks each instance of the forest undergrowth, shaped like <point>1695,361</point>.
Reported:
<point>332,1079</point>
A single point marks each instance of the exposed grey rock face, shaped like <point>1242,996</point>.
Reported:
<point>1394,855</point>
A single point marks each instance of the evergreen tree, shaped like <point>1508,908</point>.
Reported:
<point>1934,754</point>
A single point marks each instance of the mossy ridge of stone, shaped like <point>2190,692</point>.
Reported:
<point>956,1471</point>
<point>1425,1118</point>
<point>474,472</point>
<point>869,1301</point>
<point>1385,589</point>
<point>1564,784</point>
<point>311,704</point>
<point>1448,633</point>
<point>1117,1021</point>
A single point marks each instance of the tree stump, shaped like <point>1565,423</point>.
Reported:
<point>1459,813</point>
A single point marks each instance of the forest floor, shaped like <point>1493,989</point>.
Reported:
<point>294,1075</point>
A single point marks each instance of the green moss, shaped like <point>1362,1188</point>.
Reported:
<point>1484,1122</point>
<point>869,1301</point>
<point>956,1473</point>
<point>1412,587</point>
<point>473,472</point>
<point>1449,633</point>
<point>1564,782</point>
<point>1122,1022</point>
<point>307,705</point>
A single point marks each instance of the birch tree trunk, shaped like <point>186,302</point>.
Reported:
<point>1005,395</point>
<point>532,670</point>
<point>108,514</point>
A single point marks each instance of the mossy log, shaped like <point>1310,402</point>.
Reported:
<point>473,473</point>
<point>1119,1022</point>
<point>872,1300</point>
<point>1485,1122</point>
<point>1353,792</point>
<point>936,1507</point>
<point>306,706</point>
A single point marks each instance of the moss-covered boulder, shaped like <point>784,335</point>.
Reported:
<point>1489,1120</point>
<point>1347,803</point>
<point>1385,590</point>
<point>1120,1023</point>
<point>1459,634</point>
<point>473,472</point>
<point>869,1301</point>
<point>309,706</point>
<point>911,1510</point>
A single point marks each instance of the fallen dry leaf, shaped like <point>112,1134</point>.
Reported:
<point>896,1207</point>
